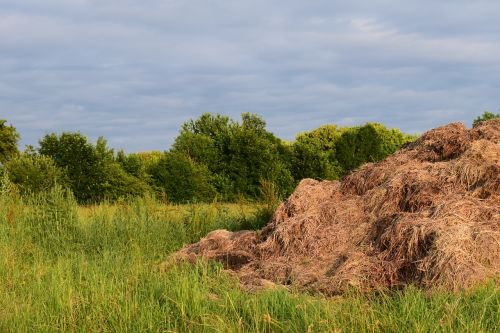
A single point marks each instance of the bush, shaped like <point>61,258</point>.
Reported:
<point>485,116</point>
<point>182,179</point>
<point>116,183</point>
<point>238,155</point>
<point>8,141</point>
<point>329,152</point>
<point>314,154</point>
<point>93,173</point>
<point>35,173</point>
<point>369,143</point>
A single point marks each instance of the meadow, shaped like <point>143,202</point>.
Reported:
<point>71,268</point>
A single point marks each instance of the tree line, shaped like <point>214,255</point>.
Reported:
<point>213,157</point>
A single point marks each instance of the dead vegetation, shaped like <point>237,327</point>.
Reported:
<point>428,215</point>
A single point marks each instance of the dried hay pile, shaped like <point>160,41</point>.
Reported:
<point>428,215</point>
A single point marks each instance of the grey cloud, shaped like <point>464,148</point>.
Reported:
<point>134,71</point>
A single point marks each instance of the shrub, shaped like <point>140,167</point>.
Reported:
<point>182,179</point>
<point>485,116</point>
<point>8,141</point>
<point>33,173</point>
<point>116,183</point>
<point>238,155</point>
<point>314,154</point>
<point>132,164</point>
<point>93,173</point>
<point>369,143</point>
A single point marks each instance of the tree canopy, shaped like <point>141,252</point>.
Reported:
<point>213,156</point>
<point>181,179</point>
<point>93,173</point>
<point>369,143</point>
<point>485,116</point>
<point>239,155</point>
<point>34,173</point>
<point>314,154</point>
<point>329,152</point>
<point>8,141</point>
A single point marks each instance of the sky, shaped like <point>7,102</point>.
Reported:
<point>134,71</point>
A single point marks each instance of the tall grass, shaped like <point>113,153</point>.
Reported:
<point>65,268</point>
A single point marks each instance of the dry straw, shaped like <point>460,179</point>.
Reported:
<point>428,215</point>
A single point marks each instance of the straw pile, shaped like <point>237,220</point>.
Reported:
<point>428,216</point>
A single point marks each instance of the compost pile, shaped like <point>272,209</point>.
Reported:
<point>428,216</point>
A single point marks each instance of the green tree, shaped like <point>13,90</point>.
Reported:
<point>117,183</point>
<point>485,116</point>
<point>93,173</point>
<point>369,143</point>
<point>149,158</point>
<point>314,154</point>
<point>8,141</point>
<point>73,153</point>
<point>255,155</point>
<point>132,164</point>
<point>182,179</point>
<point>206,141</point>
<point>238,155</point>
<point>34,173</point>
<point>114,182</point>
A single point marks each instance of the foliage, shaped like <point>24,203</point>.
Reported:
<point>369,143</point>
<point>329,152</point>
<point>34,173</point>
<point>93,173</point>
<point>8,141</point>
<point>182,179</point>
<point>116,184</point>
<point>239,155</point>
<point>314,154</point>
<point>226,158</point>
<point>149,157</point>
<point>139,164</point>
<point>206,140</point>
<point>132,164</point>
<point>73,152</point>
<point>254,155</point>
<point>485,116</point>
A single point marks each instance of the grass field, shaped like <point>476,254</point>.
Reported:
<point>65,268</point>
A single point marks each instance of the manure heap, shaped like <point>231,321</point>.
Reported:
<point>427,215</point>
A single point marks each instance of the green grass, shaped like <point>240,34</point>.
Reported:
<point>65,268</point>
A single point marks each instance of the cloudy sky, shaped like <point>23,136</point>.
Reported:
<point>134,71</point>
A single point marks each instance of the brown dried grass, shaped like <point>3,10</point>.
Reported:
<point>428,215</point>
